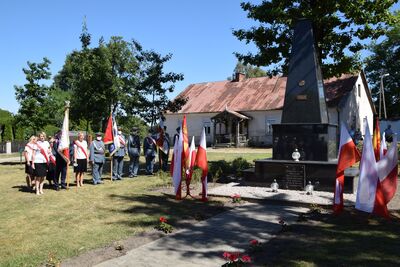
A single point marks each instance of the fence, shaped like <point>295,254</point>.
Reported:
<point>15,146</point>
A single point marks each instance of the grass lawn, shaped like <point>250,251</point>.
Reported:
<point>68,223</point>
<point>12,155</point>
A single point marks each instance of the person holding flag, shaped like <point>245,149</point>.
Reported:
<point>97,158</point>
<point>40,162</point>
<point>61,145</point>
<point>149,150</point>
<point>118,156</point>
<point>80,158</point>
<point>112,139</point>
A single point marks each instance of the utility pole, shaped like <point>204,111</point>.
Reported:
<point>382,97</point>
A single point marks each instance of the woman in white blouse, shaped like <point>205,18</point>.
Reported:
<point>40,161</point>
<point>30,148</point>
<point>80,159</point>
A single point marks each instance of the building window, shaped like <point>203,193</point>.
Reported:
<point>268,126</point>
<point>359,90</point>
<point>207,127</point>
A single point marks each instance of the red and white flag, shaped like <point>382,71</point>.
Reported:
<point>387,185</point>
<point>201,162</point>
<point>63,147</point>
<point>111,135</point>
<point>348,156</point>
<point>376,140</point>
<point>383,147</point>
<point>192,159</point>
<point>177,166</point>
<point>368,180</point>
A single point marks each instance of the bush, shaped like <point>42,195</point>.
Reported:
<point>218,169</point>
<point>8,133</point>
<point>240,164</point>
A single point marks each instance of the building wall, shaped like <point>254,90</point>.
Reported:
<point>357,107</point>
<point>195,123</point>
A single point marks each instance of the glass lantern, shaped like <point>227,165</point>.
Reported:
<point>274,186</point>
<point>296,155</point>
<point>309,188</point>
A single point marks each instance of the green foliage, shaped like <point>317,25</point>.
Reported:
<point>5,116</point>
<point>385,58</point>
<point>50,129</point>
<point>240,164</point>
<point>33,96</point>
<point>8,132</point>
<point>117,74</point>
<point>217,169</point>
<point>339,29</point>
<point>19,133</point>
<point>249,71</point>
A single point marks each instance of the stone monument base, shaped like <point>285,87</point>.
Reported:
<point>296,174</point>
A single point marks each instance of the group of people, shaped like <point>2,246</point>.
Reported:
<point>43,160</point>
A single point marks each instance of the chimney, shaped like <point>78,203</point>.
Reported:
<point>239,77</point>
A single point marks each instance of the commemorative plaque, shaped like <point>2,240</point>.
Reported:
<point>295,176</point>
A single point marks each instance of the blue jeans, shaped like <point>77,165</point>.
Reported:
<point>149,164</point>
<point>97,172</point>
<point>118,167</point>
<point>133,165</point>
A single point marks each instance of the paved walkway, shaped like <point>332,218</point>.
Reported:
<point>204,242</point>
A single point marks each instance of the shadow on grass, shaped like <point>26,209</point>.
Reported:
<point>350,239</point>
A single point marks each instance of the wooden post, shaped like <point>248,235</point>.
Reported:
<point>111,166</point>
<point>237,133</point>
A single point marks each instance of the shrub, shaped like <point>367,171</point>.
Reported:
<point>240,164</point>
<point>218,169</point>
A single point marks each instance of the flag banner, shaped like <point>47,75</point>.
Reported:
<point>387,173</point>
<point>368,178</point>
<point>201,162</point>
<point>161,143</point>
<point>111,136</point>
<point>177,170</point>
<point>377,139</point>
<point>192,159</point>
<point>63,146</point>
<point>348,156</point>
<point>383,147</point>
<point>185,141</point>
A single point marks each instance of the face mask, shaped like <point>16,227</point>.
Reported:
<point>119,132</point>
<point>98,138</point>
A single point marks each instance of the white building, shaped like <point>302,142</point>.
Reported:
<point>242,111</point>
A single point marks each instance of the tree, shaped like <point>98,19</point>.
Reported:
<point>32,96</point>
<point>152,85</point>
<point>249,71</point>
<point>385,58</point>
<point>339,28</point>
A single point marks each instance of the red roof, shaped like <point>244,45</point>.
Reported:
<point>262,93</point>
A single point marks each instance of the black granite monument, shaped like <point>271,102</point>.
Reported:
<point>305,126</point>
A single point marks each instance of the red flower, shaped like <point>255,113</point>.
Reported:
<point>163,219</point>
<point>254,242</point>
<point>234,256</point>
<point>236,196</point>
<point>226,255</point>
<point>246,258</point>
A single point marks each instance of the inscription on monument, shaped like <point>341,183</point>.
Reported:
<point>295,176</point>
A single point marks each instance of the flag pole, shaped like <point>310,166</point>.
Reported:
<point>67,171</point>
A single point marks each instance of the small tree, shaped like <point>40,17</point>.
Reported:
<point>8,132</point>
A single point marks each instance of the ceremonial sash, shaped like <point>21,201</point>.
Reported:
<point>53,159</point>
<point>102,148</point>
<point>43,152</point>
<point>31,148</point>
<point>121,140</point>
<point>81,147</point>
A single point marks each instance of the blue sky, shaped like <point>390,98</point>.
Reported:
<point>197,33</point>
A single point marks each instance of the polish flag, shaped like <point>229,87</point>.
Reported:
<point>348,156</point>
<point>368,180</point>
<point>185,140</point>
<point>201,162</point>
<point>63,147</point>
<point>383,147</point>
<point>387,185</point>
<point>377,139</point>
<point>177,166</point>
<point>192,159</point>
